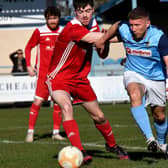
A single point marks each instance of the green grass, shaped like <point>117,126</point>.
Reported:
<point>15,153</point>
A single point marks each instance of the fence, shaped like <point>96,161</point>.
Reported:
<point>21,88</point>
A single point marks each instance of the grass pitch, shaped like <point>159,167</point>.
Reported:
<point>16,153</point>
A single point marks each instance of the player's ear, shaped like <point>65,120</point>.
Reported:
<point>148,23</point>
<point>75,11</point>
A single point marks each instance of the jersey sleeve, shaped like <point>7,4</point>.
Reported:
<point>33,41</point>
<point>163,45</point>
<point>77,32</point>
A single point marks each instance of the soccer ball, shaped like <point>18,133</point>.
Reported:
<point>70,157</point>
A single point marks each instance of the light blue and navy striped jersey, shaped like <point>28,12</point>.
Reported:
<point>145,56</point>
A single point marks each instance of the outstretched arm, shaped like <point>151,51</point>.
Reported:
<point>165,58</point>
<point>92,37</point>
<point>111,32</point>
<point>103,53</point>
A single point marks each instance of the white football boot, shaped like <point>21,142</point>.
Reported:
<point>58,137</point>
<point>29,137</point>
<point>152,144</point>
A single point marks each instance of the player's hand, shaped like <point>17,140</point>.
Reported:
<point>100,46</point>
<point>123,61</point>
<point>104,30</point>
<point>31,71</point>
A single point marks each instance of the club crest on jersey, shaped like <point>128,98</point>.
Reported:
<point>147,44</point>
<point>47,39</point>
<point>139,52</point>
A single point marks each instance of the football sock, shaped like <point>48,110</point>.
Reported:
<point>57,117</point>
<point>141,117</point>
<point>106,131</point>
<point>143,100</point>
<point>55,131</point>
<point>30,131</point>
<point>161,131</point>
<point>34,110</point>
<point>72,131</point>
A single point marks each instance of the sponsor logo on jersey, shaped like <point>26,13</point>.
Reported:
<point>48,48</point>
<point>139,52</point>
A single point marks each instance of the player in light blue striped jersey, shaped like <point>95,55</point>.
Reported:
<point>146,70</point>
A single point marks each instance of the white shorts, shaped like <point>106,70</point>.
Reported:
<point>155,91</point>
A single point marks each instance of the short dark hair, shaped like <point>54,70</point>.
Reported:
<point>19,51</point>
<point>138,13</point>
<point>52,11</point>
<point>82,3</point>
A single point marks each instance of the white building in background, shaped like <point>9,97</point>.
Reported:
<point>18,19</point>
<point>29,12</point>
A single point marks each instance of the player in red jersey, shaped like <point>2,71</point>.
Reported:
<point>44,38</point>
<point>68,72</point>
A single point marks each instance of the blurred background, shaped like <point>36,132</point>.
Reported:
<point>18,18</point>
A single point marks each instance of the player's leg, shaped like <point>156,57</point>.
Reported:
<point>138,110</point>
<point>63,99</point>
<point>69,124</point>
<point>41,94</point>
<point>135,85</point>
<point>57,120</point>
<point>157,100</point>
<point>33,114</point>
<point>160,123</point>
<point>102,124</point>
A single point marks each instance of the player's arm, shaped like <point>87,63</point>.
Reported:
<point>12,56</point>
<point>165,58</point>
<point>92,37</point>
<point>163,50</point>
<point>108,35</point>
<point>33,41</point>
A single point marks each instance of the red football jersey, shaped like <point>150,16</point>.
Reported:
<point>44,38</point>
<point>72,57</point>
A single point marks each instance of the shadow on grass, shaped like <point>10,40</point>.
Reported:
<point>46,135</point>
<point>146,157</point>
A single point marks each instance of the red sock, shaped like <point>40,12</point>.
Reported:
<point>106,131</point>
<point>72,131</point>
<point>57,117</point>
<point>34,110</point>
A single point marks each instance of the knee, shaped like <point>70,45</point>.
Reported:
<point>160,118</point>
<point>159,114</point>
<point>136,99</point>
<point>67,111</point>
<point>99,119</point>
<point>66,108</point>
<point>38,102</point>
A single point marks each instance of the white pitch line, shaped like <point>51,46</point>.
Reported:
<point>92,144</point>
<point>46,126</point>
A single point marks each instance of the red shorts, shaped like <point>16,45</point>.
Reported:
<point>80,90</point>
<point>42,91</point>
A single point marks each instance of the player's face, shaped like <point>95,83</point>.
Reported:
<point>139,27</point>
<point>84,15</point>
<point>52,22</point>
